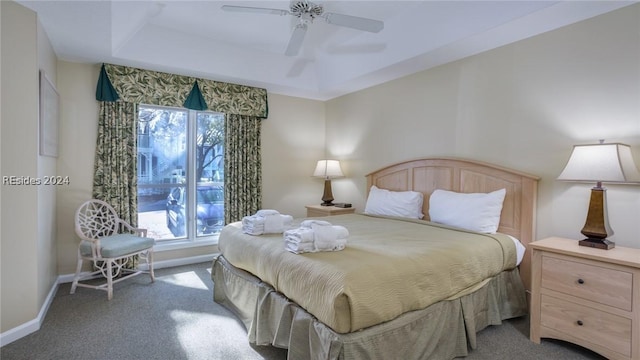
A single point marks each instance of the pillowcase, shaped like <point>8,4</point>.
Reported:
<point>406,204</point>
<point>477,212</point>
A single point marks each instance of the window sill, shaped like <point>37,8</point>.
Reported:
<point>184,244</point>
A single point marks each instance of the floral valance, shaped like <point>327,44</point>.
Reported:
<point>157,88</point>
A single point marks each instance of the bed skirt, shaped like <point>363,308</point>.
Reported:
<point>444,330</point>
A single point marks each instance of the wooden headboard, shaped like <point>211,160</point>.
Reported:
<point>518,216</point>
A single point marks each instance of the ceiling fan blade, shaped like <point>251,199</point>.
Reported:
<point>354,22</point>
<point>257,10</point>
<point>297,37</point>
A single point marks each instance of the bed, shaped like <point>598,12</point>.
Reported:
<point>382,296</point>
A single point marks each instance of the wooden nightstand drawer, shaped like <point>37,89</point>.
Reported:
<point>594,283</point>
<point>598,327</point>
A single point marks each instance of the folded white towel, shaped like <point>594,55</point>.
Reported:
<point>323,234</point>
<point>330,238</point>
<point>299,235</point>
<point>265,212</point>
<point>309,223</point>
<point>267,224</point>
<point>253,223</point>
<point>274,224</point>
<point>317,237</point>
<point>336,245</point>
<point>299,248</point>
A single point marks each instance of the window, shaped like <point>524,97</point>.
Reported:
<point>180,173</point>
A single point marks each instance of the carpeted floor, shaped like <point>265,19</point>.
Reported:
<point>176,318</point>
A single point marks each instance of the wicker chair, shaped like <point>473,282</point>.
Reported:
<point>111,244</point>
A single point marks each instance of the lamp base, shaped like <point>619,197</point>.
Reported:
<point>598,243</point>
<point>596,227</point>
<point>327,196</point>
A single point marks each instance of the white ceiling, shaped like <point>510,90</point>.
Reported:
<point>197,38</point>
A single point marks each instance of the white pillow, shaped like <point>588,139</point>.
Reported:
<point>477,212</point>
<point>394,203</point>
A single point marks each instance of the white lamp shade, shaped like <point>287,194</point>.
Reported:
<point>328,169</point>
<point>611,163</point>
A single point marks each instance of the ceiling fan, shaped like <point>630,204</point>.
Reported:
<point>306,12</point>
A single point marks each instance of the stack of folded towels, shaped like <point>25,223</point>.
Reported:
<point>314,236</point>
<point>266,221</point>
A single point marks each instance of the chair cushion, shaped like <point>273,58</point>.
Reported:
<point>118,245</point>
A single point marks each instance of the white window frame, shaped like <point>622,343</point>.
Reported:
<point>191,240</point>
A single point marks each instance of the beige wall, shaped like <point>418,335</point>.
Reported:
<point>28,260</point>
<point>78,131</point>
<point>522,106</point>
<point>293,140</point>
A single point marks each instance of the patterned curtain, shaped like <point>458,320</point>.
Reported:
<point>242,167</point>
<point>115,177</point>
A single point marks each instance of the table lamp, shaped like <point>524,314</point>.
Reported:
<point>328,169</point>
<point>608,163</point>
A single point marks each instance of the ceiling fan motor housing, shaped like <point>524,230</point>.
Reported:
<point>306,10</point>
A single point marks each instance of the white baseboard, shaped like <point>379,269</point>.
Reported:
<point>157,265</point>
<point>180,262</point>
<point>31,326</point>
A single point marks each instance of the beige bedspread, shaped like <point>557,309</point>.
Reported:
<point>390,267</point>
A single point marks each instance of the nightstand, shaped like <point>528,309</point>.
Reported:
<point>319,210</point>
<point>587,296</point>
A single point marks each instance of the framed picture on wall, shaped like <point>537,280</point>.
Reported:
<point>48,117</point>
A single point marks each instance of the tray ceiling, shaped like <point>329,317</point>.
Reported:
<point>198,38</point>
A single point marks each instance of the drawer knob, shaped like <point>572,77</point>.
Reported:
<point>579,322</point>
<point>580,281</point>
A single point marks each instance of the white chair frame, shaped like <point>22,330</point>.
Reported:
<point>94,220</point>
